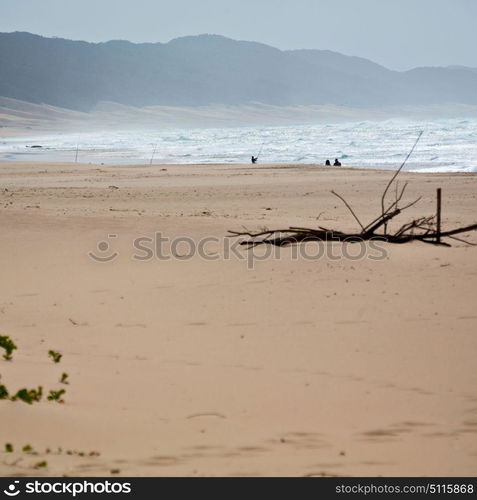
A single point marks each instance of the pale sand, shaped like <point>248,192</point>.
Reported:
<point>329,367</point>
<point>20,118</point>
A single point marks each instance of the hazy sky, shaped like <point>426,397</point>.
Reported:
<point>399,34</point>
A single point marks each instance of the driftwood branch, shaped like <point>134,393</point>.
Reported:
<point>396,173</point>
<point>417,230</point>
<point>349,208</point>
<point>425,229</point>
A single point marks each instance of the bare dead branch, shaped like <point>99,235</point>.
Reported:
<point>384,220</point>
<point>349,208</point>
<point>463,241</point>
<point>411,204</point>
<point>397,172</point>
<point>422,229</point>
<point>459,230</point>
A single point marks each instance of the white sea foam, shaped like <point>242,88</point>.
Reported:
<point>446,145</point>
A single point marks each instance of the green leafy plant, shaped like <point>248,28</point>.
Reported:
<point>9,346</point>
<point>42,464</point>
<point>3,392</point>
<point>29,395</point>
<point>55,356</point>
<point>8,447</point>
<point>56,396</point>
<point>27,448</point>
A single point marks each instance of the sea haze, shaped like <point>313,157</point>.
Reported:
<point>447,145</point>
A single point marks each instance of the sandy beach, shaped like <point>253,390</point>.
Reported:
<point>216,365</point>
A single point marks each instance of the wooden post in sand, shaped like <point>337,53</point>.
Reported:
<point>439,200</point>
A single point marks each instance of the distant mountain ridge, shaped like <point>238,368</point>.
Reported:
<point>211,69</point>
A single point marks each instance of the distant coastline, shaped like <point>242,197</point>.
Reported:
<point>209,70</point>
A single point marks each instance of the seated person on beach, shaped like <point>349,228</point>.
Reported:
<point>328,163</point>
<point>254,159</point>
<point>337,163</point>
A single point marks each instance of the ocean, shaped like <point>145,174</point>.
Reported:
<point>447,145</point>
